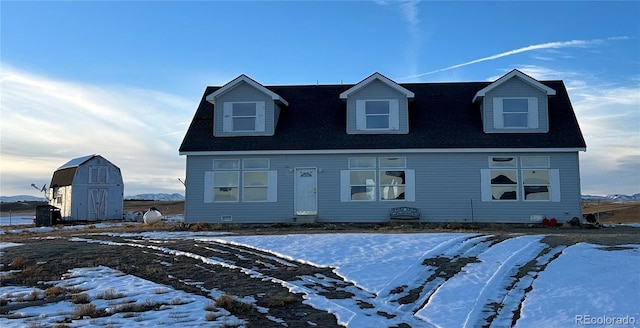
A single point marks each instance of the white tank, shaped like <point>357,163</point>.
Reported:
<point>152,216</point>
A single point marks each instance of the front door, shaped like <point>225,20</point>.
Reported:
<point>306,202</point>
<point>97,204</point>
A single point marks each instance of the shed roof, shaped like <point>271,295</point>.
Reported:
<point>76,161</point>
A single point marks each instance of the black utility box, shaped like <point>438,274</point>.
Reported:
<point>47,215</point>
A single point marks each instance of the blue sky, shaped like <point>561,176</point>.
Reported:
<point>123,79</point>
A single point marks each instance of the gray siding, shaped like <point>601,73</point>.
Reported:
<point>378,90</point>
<point>447,189</point>
<point>75,202</point>
<point>245,92</point>
<point>515,87</point>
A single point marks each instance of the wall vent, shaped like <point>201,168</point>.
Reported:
<point>226,218</point>
<point>537,218</point>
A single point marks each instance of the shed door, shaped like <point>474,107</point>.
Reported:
<point>306,202</point>
<point>97,204</point>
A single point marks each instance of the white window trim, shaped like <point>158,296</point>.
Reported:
<point>361,116</point>
<point>227,117</point>
<point>532,113</point>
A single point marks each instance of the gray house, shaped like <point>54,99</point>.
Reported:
<point>87,188</point>
<point>502,151</point>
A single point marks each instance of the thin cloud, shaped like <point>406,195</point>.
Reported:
<point>45,122</point>
<point>548,45</point>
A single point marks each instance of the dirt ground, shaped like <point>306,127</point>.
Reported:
<point>49,255</point>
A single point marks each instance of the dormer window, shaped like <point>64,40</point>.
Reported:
<point>377,114</point>
<point>244,116</point>
<point>515,113</point>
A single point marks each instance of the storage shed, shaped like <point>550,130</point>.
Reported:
<point>87,188</point>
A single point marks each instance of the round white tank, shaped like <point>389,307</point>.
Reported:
<point>152,216</point>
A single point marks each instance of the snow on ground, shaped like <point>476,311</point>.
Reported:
<point>587,282</point>
<point>379,261</point>
<point>577,285</point>
<point>113,291</point>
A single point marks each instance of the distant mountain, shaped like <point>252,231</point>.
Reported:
<point>178,197</point>
<point>613,197</point>
<point>160,197</point>
<point>21,198</point>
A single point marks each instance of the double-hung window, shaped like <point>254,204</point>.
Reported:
<point>362,178</point>
<point>231,182</point>
<point>515,113</point>
<point>377,179</point>
<point>243,117</point>
<point>226,180</point>
<point>536,177</point>
<point>504,178</point>
<point>255,180</point>
<point>392,178</point>
<point>377,114</point>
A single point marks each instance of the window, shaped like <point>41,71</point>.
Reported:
<point>255,184</point>
<point>225,186</point>
<point>98,174</point>
<point>362,183</point>
<point>535,184</point>
<point>244,116</point>
<point>504,184</point>
<point>536,181</point>
<point>228,182</point>
<point>392,185</point>
<point>377,114</point>
<point>515,113</point>
<point>532,181</point>
<point>503,179</point>
<point>377,179</point>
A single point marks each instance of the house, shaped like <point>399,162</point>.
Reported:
<point>87,188</point>
<point>502,151</point>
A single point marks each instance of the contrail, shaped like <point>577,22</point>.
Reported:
<point>548,45</point>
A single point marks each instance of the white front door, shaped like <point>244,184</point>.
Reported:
<point>306,202</point>
<point>97,204</point>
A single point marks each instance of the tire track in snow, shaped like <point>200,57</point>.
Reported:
<point>482,283</point>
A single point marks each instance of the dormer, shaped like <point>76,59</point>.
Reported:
<point>377,105</point>
<point>515,103</point>
<point>244,107</point>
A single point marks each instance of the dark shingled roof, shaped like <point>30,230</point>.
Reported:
<point>63,177</point>
<point>441,116</point>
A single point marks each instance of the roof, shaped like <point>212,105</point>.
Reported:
<point>64,175</point>
<point>515,73</point>
<point>77,161</point>
<point>381,78</point>
<point>441,116</point>
<point>250,81</point>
